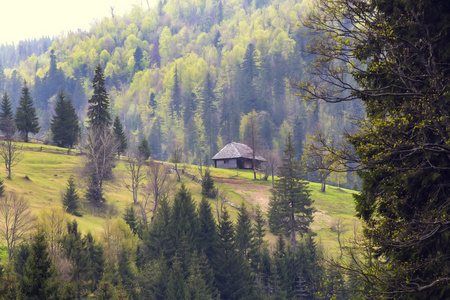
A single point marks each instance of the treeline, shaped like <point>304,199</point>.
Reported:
<point>185,254</point>
<point>188,74</point>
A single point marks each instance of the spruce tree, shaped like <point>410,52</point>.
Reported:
<point>38,280</point>
<point>176,94</point>
<point>70,198</point>
<point>232,272</point>
<point>98,110</point>
<point>64,125</point>
<point>144,149</point>
<point>208,189</point>
<point>207,237</point>
<point>290,210</point>
<point>6,112</point>
<point>120,136</point>
<point>209,114</point>
<point>244,232</point>
<point>26,119</point>
<point>156,139</point>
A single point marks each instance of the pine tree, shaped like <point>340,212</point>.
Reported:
<point>120,136</point>
<point>64,125</point>
<point>290,210</point>
<point>208,189</point>
<point>176,94</point>
<point>98,110</point>
<point>207,237</point>
<point>133,221</point>
<point>6,112</point>
<point>232,272</point>
<point>70,198</point>
<point>155,139</point>
<point>144,149</point>
<point>244,232</point>
<point>209,114</point>
<point>138,56</point>
<point>26,119</point>
<point>38,280</point>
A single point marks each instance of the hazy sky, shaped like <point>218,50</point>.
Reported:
<point>28,19</point>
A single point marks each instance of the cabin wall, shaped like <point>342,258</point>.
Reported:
<point>226,163</point>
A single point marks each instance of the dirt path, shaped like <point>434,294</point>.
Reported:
<point>253,193</point>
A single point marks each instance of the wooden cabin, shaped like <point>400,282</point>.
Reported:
<point>237,156</point>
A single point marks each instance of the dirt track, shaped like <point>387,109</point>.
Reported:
<point>254,193</point>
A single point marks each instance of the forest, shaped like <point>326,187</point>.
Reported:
<point>344,92</point>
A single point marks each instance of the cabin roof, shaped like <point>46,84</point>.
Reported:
<point>237,150</point>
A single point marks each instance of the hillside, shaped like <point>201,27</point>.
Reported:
<point>41,178</point>
<point>187,74</point>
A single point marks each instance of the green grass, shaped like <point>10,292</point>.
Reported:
<point>41,178</point>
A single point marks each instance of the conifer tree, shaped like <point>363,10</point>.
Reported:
<point>232,272</point>
<point>244,232</point>
<point>133,221</point>
<point>98,110</point>
<point>64,125</point>
<point>208,189</point>
<point>155,139</point>
<point>120,136</point>
<point>6,112</point>
<point>207,237</point>
<point>26,119</point>
<point>70,198</point>
<point>290,210</point>
<point>144,149</point>
<point>38,279</point>
<point>176,94</point>
<point>209,114</point>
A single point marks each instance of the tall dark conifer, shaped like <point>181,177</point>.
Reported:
<point>290,210</point>
<point>120,136</point>
<point>6,113</point>
<point>209,114</point>
<point>64,125</point>
<point>98,110</point>
<point>207,237</point>
<point>70,198</point>
<point>26,118</point>
<point>176,94</point>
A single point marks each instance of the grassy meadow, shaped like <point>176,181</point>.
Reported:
<point>41,176</point>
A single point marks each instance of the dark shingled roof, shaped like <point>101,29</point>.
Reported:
<point>237,150</point>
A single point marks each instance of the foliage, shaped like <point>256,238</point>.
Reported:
<point>26,118</point>
<point>290,210</point>
<point>144,149</point>
<point>98,110</point>
<point>120,136</point>
<point>208,189</point>
<point>64,125</point>
<point>395,52</point>
<point>70,199</point>
<point>6,111</point>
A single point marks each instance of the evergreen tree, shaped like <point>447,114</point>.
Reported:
<point>144,149</point>
<point>138,56</point>
<point>155,139</point>
<point>2,188</point>
<point>208,189</point>
<point>207,237</point>
<point>98,110</point>
<point>232,272</point>
<point>244,233</point>
<point>249,71</point>
<point>64,125</point>
<point>26,119</point>
<point>127,274</point>
<point>6,112</point>
<point>133,221</point>
<point>176,94</point>
<point>38,280</point>
<point>290,210</point>
<point>70,198</point>
<point>209,114</point>
<point>2,79</point>
<point>120,136</point>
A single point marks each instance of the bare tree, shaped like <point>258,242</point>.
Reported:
<point>159,184</point>
<point>134,167</point>
<point>176,159</point>
<point>272,163</point>
<point>8,150</point>
<point>101,147</point>
<point>338,227</point>
<point>15,220</point>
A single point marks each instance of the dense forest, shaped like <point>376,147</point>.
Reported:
<point>180,80</point>
<point>187,74</point>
